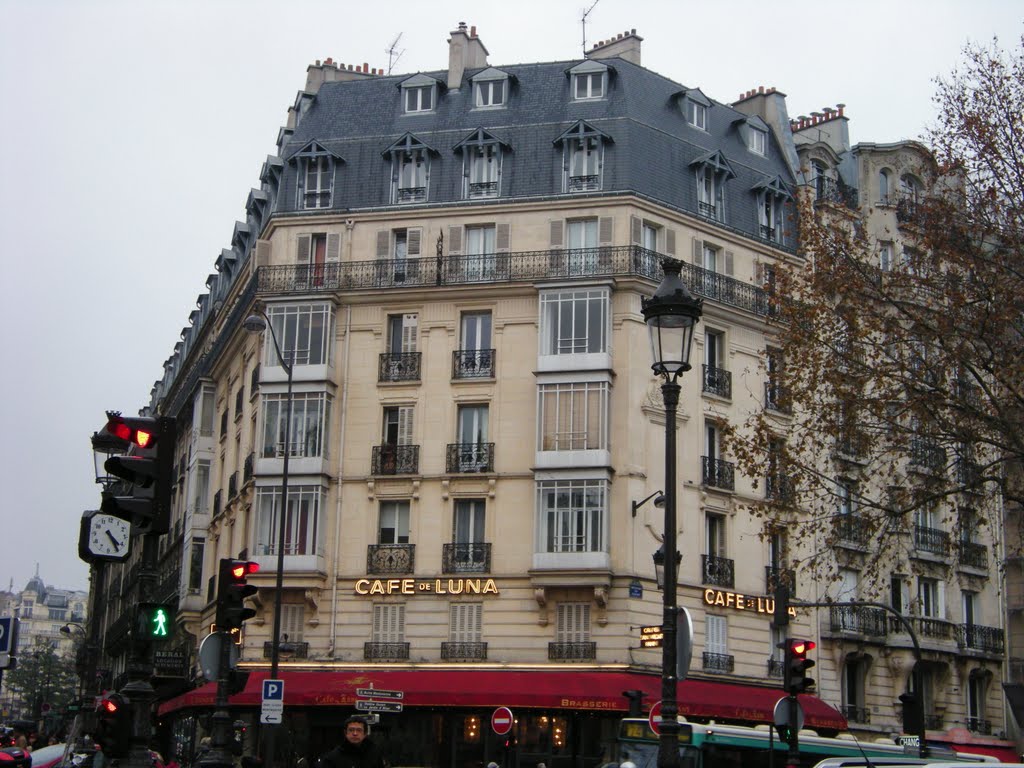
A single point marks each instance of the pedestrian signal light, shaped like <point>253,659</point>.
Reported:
<point>156,620</point>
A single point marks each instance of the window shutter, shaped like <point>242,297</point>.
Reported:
<point>409,327</point>
<point>333,247</point>
<point>698,252</point>
<point>715,635</point>
<point>759,274</point>
<point>503,237</point>
<point>670,242</point>
<point>635,226</point>
<point>263,251</point>
<point>302,254</point>
<point>728,263</point>
<point>378,616</point>
<point>604,230</point>
<point>557,234</point>
<point>405,413</point>
<point>330,181</point>
<point>454,240</point>
<point>300,184</point>
<point>399,623</point>
<point>413,239</point>
<point>383,243</point>
<point>291,621</point>
<point>940,609</point>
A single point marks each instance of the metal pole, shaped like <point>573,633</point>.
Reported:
<point>270,735</point>
<point>139,690</point>
<point>668,747</point>
<point>793,755</point>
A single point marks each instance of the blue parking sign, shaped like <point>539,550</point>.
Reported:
<point>273,690</point>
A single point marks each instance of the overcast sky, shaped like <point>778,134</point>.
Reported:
<point>133,131</point>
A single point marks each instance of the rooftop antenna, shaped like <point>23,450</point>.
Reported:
<point>393,53</point>
<point>583,21</point>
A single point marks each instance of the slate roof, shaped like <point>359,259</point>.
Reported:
<point>651,151</point>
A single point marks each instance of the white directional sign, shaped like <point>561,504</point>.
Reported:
<point>379,693</point>
<point>272,705</point>
<point>364,705</point>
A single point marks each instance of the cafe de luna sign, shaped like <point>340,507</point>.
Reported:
<point>740,602</point>
<point>426,586</point>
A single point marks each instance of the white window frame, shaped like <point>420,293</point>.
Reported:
<point>930,598</point>
<point>412,178</point>
<point>308,436</point>
<point>572,623</point>
<point>696,114</point>
<point>573,516</point>
<point>716,634</point>
<point>559,312</point>
<point>483,175</point>
<point>302,523</point>
<point>715,535</point>
<point>573,416</point>
<point>393,522</point>
<point>757,141</point>
<point>484,93</point>
<point>465,622</point>
<point>305,332</point>
<point>583,86</point>
<point>586,161</point>
<point>413,98</point>
<point>710,193</point>
<point>885,255</point>
<point>388,623</point>
<point>318,186</point>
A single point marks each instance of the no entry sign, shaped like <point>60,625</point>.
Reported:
<point>501,720</point>
<point>654,718</point>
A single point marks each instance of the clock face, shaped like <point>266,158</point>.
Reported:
<point>109,536</point>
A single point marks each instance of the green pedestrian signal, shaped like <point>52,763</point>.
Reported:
<point>156,621</point>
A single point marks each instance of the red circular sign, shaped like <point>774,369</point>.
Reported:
<point>654,718</point>
<point>501,720</point>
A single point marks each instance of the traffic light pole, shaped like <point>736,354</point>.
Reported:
<point>793,755</point>
<point>139,688</point>
<point>219,755</point>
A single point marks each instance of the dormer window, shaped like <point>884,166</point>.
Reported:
<point>419,94</point>
<point>490,93</point>
<point>757,141</point>
<point>316,167</point>
<point>695,107</point>
<point>772,196</point>
<point>713,170</point>
<point>583,148</point>
<point>419,99</point>
<point>482,155</point>
<point>410,169</point>
<point>589,81</point>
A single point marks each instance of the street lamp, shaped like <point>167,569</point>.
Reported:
<point>257,323</point>
<point>671,315</point>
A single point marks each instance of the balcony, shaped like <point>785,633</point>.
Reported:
<point>473,364</point>
<point>835,192</point>
<point>718,663</point>
<point>286,650</point>
<point>390,459</point>
<point>232,485</point>
<point>478,189</point>
<point>707,210</point>
<point>718,473</point>
<point>717,381</point>
<point>399,366</point>
<point>385,651</point>
<point>572,651</point>
<point>411,194</point>
<point>778,487</point>
<point>851,529</point>
<point>858,619</point>
<point>247,467</point>
<point>776,398</point>
<point>936,629</point>
<point>926,455</point>
<point>717,571</point>
<point>973,555</point>
<point>520,266</point>
<point>217,503</point>
<point>452,651</point>
<point>464,458</point>
<point>466,557</point>
<point>776,667</point>
<point>390,558</point>
<point>979,725</point>
<point>932,540</point>
<point>775,576</point>
<point>856,714</point>
<point>589,183</point>
<point>908,209</point>
<point>975,637</point>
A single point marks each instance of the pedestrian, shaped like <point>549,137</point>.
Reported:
<point>358,750</point>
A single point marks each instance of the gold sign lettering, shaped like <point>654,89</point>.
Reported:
<point>740,602</point>
<point>431,586</point>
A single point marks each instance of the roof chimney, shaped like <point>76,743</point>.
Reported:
<point>625,45</point>
<point>465,51</point>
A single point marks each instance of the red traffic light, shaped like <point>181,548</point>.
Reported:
<point>139,431</point>
<point>241,568</point>
<point>803,647</point>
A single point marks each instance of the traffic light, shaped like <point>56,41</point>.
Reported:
<point>237,737</point>
<point>155,621</point>
<point>232,590</point>
<point>913,713</point>
<point>780,616</point>
<point>115,725</point>
<point>237,679</point>
<point>795,665</point>
<point>147,466</point>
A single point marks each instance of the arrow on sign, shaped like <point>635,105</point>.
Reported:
<point>270,718</point>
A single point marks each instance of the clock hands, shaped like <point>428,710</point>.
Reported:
<point>115,542</point>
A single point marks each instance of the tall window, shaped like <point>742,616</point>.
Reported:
<point>584,164</point>
<point>710,193</point>
<point>574,322</point>
<point>465,622</point>
<point>311,413</point>
<point>885,262</point>
<point>413,166</point>
<point>589,85</point>
<point>696,114</point>
<point>884,185</point>
<point>201,486</point>
<point>316,192</point>
<point>402,333</point>
<point>468,521</point>
<point>928,598</point>
<point>769,211</point>
<point>207,409</point>
<point>648,236</point>
<point>819,176</point>
<point>472,424</point>
<point>301,523</point>
<point>853,688</point>
<point>394,523</point>
<point>715,535</point>
<point>388,623</point>
<point>976,688</point>
<point>970,607</point>
<point>195,566</point>
<point>419,99</point>
<point>476,331</point>
<point>572,515</point>
<point>716,635</point>
<point>845,496</point>
<point>572,623</point>
<point>573,416</point>
<point>489,93</point>
<point>397,425</point>
<point>484,165</point>
<point>757,141</point>
<point>478,261</point>
<point>305,331</point>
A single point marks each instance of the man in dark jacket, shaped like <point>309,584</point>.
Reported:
<point>356,751</point>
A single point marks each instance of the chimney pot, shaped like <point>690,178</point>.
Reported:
<point>472,31</point>
<point>328,60</point>
<point>366,67</point>
<point>316,63</point>
<point>632,31</point>
<point>462,26</point>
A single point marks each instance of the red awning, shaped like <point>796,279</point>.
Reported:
<point>584,690</point>
<point>1003,754</point>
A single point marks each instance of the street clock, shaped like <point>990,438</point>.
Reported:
<point>103,537</point>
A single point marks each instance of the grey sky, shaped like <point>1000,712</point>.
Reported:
<point>133,131</point>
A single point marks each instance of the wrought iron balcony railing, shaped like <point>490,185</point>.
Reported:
<point>247,468</point>
<point>776,667</point>
<point>836,192</point>
<point>776,397</point>
<point>390,459</point>
<point>927,455</point>
<point>399,366</point>
<point>778,487</point>
<point>217,503</point>
<point>860,619</point>
<point>851,528</point>
<point>718,662</point>
<point>572,651</point>
<point>774,576</point>
<point>717,381</point>
<point>978,638</point>
<point>470,457</point>
<point>718,473</point>
<point>973,555</point>
<point>390,558</point>
<point>452,651</point>
<point>286,650</point>
<point>708,210</point>
<point>478,189</point>
<point>717,571</point>
<point>233,485</point>
<point>590,183</point>
<point>473,364</point>
<point>979,725</point>
<point>411,194</point>
<point>385,651</point>
<point>515,266</point>
<point>466,557</point>
<point>933,540</point>
<point>856,714</point>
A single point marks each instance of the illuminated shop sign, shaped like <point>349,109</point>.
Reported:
<point>740,602</point>
<point>426,586</point>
